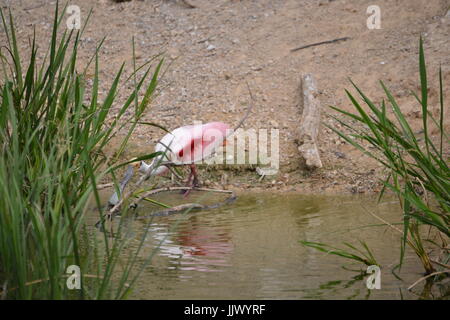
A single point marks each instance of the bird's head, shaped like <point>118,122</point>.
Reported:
<point>155,168</point>
<point>142,167</point>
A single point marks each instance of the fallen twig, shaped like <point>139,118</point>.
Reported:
<point>188,4</point>
<point>440,264</point>
<point>35,7</point>
<point>426,277</point>
<point>320,43</point>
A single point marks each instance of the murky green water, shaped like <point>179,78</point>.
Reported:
<point>250,249</point>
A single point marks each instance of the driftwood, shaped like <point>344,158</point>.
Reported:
<point>176,209</point>
<point>114,199</point>
<point>309,125</point>
<point>186,207</point>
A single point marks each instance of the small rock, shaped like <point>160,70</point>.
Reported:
<point>210,47</point>
<point>273,124</point>
<point>340,155</point>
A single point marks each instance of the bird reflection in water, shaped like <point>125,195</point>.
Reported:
<point>193,246</point>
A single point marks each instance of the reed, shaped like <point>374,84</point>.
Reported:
<point>54,135</point>
<point>416,162</point>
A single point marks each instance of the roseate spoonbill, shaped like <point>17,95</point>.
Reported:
<point>182,146</point>
<point>185,146</point>
<point>189,144</point>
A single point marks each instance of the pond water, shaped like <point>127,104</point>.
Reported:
<point>250,249</point>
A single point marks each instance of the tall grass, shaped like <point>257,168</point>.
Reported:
<point>53,140</point>
<point>416,162</point>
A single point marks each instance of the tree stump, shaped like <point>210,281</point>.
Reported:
<point>310,122</point>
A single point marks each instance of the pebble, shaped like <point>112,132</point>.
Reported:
<point>340,155</point>
<point>273,124</point>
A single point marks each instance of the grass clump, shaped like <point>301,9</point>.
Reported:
<point>418,171</point>
<point>53,140</point>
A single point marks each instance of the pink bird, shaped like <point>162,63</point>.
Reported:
<point>189,144</point>
<point>185,146</point>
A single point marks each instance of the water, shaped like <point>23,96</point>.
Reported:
<point>250,249</point>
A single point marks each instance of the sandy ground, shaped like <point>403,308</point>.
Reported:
<point>215,48</point>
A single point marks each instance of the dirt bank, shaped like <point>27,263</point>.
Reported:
<point>220,45</point>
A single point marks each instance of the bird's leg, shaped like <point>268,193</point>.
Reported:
<point>194,173</point>
<point>188,181</point>
<point>194,183</point>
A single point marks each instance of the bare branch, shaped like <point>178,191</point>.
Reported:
<point>426,277</point>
